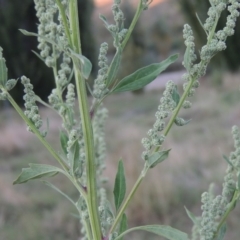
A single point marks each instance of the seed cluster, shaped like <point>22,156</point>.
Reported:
<point>31,111</point>
<point>100,87</point>
<point>167,105</point>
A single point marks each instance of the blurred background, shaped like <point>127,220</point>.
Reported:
<point>32,211</point>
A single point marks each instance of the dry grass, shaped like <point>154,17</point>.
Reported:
<point>35,212</point>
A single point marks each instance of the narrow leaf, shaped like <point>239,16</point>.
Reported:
<point>114,66</point>
<point>119,186</point>
<point>36,171</point>
<point>192,217</point>
<point>199,20</point>
<point>10,84</point>
<point>32,34</point>
<point>143,76</point>
<point>63,141</point>
<point>103,18</point>
<point>227,160</point>
<point>38,55</point>
<point>109,210</point>
<point>3,69</point>
<point>222,232</point>
<point>123,225</point>
<point>175,95</point>
<point>85,64</point>
<point>74,156</point>
<point>161,230</point>
<point>158,157</point>
<point>59,191</point>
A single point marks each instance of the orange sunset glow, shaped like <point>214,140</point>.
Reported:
<point>101,3</point>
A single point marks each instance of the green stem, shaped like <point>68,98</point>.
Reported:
<point>176,111</point>
<point>65,21</point>
<point>133,23</point>
<point>37,133</point>
<point>230,208</point>
<point>128,199</point>
<point>92,200</point>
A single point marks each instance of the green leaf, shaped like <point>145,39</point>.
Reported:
<point>38,55</point>
<point>186,59</point>
<point>238,181</point>
<point>114,67</point>
<point>123,225</point>
<point>157,157</point>
<point>85,65</point>
<point>227,160</point>
<point>3,69</point>
<point>222,232</point>
<point>161,230</point>
<point>103,18</point>
<point>181,122</point>
<point>192,217</point>
<point>175,95</point>
<point>32,34</point>
<point>143,76</point>
<point>74,156</point>
<point>119,186</point>
<point>64,141</point>
<point>59,191</point>
<point>36,171</point>
<point>10,84</point>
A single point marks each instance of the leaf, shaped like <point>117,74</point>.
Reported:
<point>36,171</point>
<point>123,225</point>
<point>199,20</point>
<point>85,64</point>
<point>32,34</point>
<point>103,18</point>
<point>175,95</point>
<point>222,232</point>
<point>3,69</point>
<point>227,160</point>
<point>38,55</point>
<point>119,186</point>
<point>181,122</point>
<point>63,141</point>
<point>143,76</point>
<point>59,191</point>
<point>161,230</point>
<point>10,84</point>
<point>74,156</point>
<point>157,157</point>
<point>114,66</point>
<point>192,217</point>
<point>108,209</point>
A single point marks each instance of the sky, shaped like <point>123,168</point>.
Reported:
<point>103,2</point>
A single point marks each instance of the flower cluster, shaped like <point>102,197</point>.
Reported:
<point>218,40</point>
<point>190,52</point>
<point>167,105</point>
<point>100,87</point>
<point>99,139</point>
<point>213,208</point>
<point>31,111</point>
<point>117,30</point>
<point>49,30</point>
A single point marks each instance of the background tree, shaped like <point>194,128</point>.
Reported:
<point>229,58</point>
<point>18,48</point>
